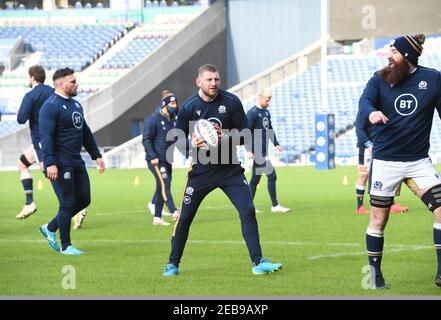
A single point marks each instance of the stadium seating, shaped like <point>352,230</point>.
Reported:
<point>134,52</point>
<point>149,37</point>
<point>91,41</point>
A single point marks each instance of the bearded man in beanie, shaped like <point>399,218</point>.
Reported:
<point>400,101</point>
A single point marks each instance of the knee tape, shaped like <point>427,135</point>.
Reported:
<point>432,198</point>
<point>381,202</point>
<point>25,161</point>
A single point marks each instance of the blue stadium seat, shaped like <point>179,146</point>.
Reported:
<point>92,42</point>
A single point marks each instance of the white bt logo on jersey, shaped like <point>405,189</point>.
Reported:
<point>77,119</point>
<point>406,104</point>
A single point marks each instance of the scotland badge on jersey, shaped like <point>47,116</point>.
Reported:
<point>222,109</point>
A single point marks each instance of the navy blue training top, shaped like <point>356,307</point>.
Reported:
<point>364,130</point>
<point>260,118</point>
<point>156,127</point>
<point>30,107</point>
<point>410,107</point>
<point>227,111</point>
<point>64,131</point>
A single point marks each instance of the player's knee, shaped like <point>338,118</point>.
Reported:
<point>272,177</point>
<point>84,200</point>
<point>249,210</point>
<point>381,202</point>
<point>23,163</point>
<point>432,198</point>
<point>255,180</point>
<point>363,170</point>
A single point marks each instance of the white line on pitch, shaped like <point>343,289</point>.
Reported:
<point>393,248</point>
<point>234,242</point>
<point>399,248</point>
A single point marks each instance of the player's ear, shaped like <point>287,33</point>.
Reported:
<point>198,82</point>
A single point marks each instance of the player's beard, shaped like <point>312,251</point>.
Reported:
<point>72,93</point>
<point>394,75</point>
<point>209,94</point>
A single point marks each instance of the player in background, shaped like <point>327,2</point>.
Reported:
<point>364,143</point>
<point>225,110</point>
<point>259,122</point>
<point>156,127</point>
<point>29,109</point>
<point>63,133</point>
<point>400,100</point>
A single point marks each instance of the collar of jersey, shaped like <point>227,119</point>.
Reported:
<point>200,96</point>
<point>64,97</point>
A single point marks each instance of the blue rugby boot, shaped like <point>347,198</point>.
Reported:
<point>72,251</point>
<point>266,267</point>
<point>170,270</point>
<point>51,237</point>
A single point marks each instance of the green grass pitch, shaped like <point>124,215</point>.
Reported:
<point>321,243</point>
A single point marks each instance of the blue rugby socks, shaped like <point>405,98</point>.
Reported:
<point>437,241</point>
<point>27,182</point>
<point>374,244</point>
<point>360,195</point>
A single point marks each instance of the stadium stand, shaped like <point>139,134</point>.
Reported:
<point>47,40</point>
<point>134,52</point>
<point>57,46</point>
<point>148,38</point>
<point>296,101</point>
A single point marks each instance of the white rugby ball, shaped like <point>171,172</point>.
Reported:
<point>205,130</point>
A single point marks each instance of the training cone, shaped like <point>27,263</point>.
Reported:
<point>40,184</point>
<point>345,180</point>
<point>136,182</point>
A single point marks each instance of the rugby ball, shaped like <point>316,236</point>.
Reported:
<point>204,129</point>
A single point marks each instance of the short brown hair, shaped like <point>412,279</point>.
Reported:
<point>38,73</point>
<point>61,73</point>
<point>207,67</point>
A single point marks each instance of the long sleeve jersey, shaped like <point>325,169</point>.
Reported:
<point>410,107</point>
<point>260,118</point>
<point>30,107</point>
<point>227,111</point>
<point>64,131</point>
<point>156,127</point>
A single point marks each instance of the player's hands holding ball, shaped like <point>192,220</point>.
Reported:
<point>205,135</point>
